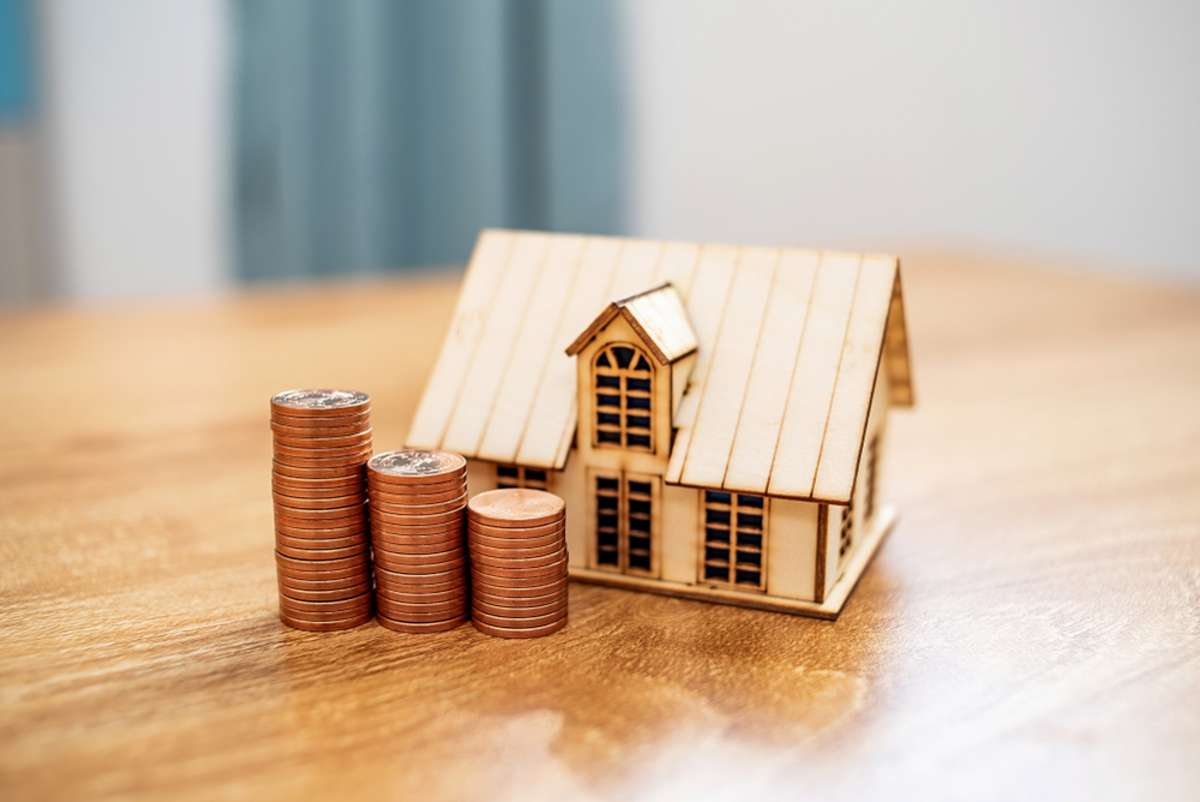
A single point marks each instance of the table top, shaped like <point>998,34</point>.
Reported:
<point>1031,627</point>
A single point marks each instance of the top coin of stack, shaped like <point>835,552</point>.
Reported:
<point>518,547</point>
<point>322,439</point>
<point>417,503</point>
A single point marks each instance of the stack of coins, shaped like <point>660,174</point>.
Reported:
<point>417,504</point>
<point>318,482</point>
<point>518,549</point>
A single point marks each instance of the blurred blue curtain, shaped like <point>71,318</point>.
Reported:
<point>373,134</point>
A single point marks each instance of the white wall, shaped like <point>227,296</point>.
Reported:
<point>136,117</point>
<point>1070,129</point>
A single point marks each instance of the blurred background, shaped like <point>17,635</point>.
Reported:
<point>169,147</point>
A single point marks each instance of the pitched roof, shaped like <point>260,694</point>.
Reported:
<point>788,342</point>
<point>657,315</point>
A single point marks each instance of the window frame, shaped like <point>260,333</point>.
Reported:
<point>624,497</point>
<point>617,381</point>
<point>520,477</point>
<point>710,502</point>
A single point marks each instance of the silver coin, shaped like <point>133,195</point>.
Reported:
<point>410,462</point>
<point>319,399</point>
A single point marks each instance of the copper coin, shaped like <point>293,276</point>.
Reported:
<point>459,566</point>
<point>360,540</point>
<point>321,618</point>
<point>318,503</point>
<point>318,519</point>
<point>417,498</point>
<point>279,415</point>
<point>355,509</point>
<point>315,492</point>
<point>514,532</point>
<point>309,441</point>
<point>441,612</point>
<point>315,458</point>
<point>336,472</point>
<point>321,554</point>
<point>413,519</point>
<point>432,597</point>
<point>310,608</point>
<point>324,626</point>
<point>320,427</point>
<point>400,532</point>
<point>516,547</point>
<point>423,544</point>
<point>302,564</point>
<point>481,596</point>
<point>421,629</point>
<point>517,507</point>
<point>509,632</point>
<point>516,554</point>
<point>324,533</point>
<point>558,568</point>
<point>332,594</point>
<point>487,561</point>
<point>517,591</point>
<point>353,479</point>
<point>530,622</point>
<point>317,449</point>
<point>289,525</point>
<point>552,607</point>
<point>296,575</point>
<point>411,466</point>
<point>402,583</point>
<point>442,485</point>
<point>401,557</point>
<point>351,579</point>
<point>308,403</point>
<point>456,505</point>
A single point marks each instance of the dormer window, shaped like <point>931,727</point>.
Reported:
<point>623,384</point>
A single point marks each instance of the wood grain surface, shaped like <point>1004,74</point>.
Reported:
<point>1031,629</point>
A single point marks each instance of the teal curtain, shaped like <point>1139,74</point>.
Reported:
<point>372,135</point>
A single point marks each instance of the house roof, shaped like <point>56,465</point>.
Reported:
<point>657,314</point>
<point>788,343</point>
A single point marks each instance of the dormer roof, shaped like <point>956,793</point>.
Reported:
<point>657,315</point>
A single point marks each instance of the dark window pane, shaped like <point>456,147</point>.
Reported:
<point>604,400</point>
<point>535,475</point>
<point>608,437</point>
<point>607,483</point>
<point>716,572</point>
<point>639,487</point>
<point>623,355</point>
<point>637,384</point>
<point>745,558</point>
<point>606,520</point>
<point>639,506</point>
<point>747,577</point>
<point>716,516</point>
<point>716,536</point>
<point>716,553</point>
<point>746,539</point>
<point>602,361</point>
<point>606,503</point>
<point>606,557</point>
<point>635,402</point>
<point>750,501</point>
<point>716,497</point>
<point>749,521</point>
<point>609,381</point>
<point>642,363</point>
<point>608,417</point>
<point>641,525</point>
<point>507,471</point>
<point>637,421</point>
<point>639,561</point>
<point>638,440</point>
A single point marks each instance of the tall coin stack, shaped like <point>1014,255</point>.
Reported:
<point>518,545</point>
<point>417,504</point>
<point>318,483</point>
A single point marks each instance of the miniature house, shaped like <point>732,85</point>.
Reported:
<point>712,415</point>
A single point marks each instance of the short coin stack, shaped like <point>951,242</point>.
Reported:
<point>318,482</point>
<point>518,548</point>
<point>417,505</point>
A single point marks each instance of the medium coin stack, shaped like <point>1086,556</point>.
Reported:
<point>417,504</point>
<point>318,482</point>
<point>518,546</point>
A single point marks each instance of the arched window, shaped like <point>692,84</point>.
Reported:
<point>623,386</point>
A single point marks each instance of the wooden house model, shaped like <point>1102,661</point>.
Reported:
<point>712,415</point>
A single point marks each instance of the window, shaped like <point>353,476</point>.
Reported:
<point>871,461</point>
<point>520,476</point>
<point>625,506</point>
<point>735,539</point>
<point>623,384</point>
<point>846,538</point>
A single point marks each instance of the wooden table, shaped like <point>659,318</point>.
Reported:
<point>1030,630</point>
